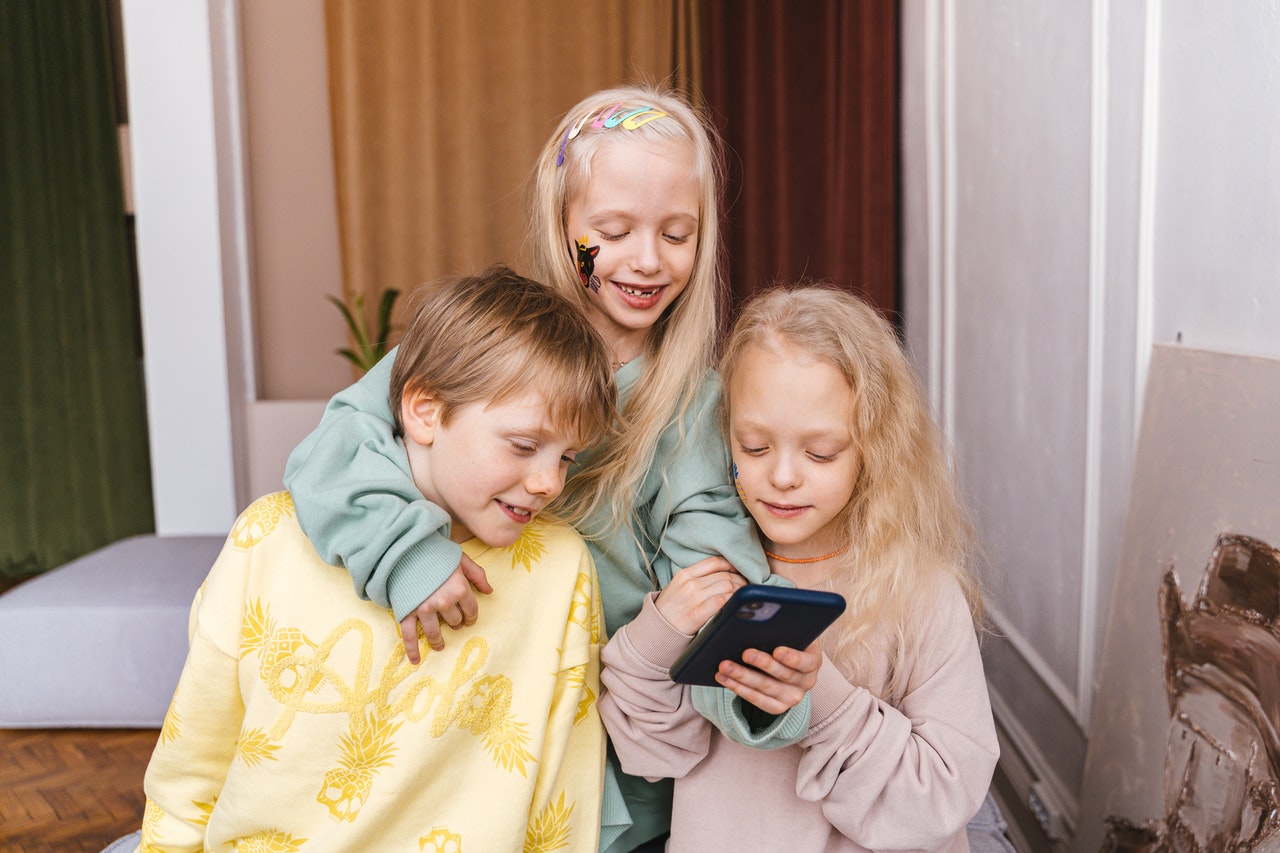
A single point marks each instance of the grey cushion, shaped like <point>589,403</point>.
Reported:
<point>101,640</point>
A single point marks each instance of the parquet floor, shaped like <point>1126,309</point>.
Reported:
<point>71,790</point>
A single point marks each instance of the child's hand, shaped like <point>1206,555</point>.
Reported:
<point>454,603</point>
<point>785,676</point>
<point>697,592</point>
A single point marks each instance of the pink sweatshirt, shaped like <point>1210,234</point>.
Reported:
<point>867,776</point>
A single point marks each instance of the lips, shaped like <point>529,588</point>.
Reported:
<point>784,511</point>
<point>518,514</point>
<point>639,297</point>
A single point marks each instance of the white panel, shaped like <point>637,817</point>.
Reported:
<point>1217,241</point>
<point>169,76</point>
<point>1022,219</point>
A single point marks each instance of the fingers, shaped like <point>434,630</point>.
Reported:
<point>475,576</point>
<point>707,566</point>
<point>773,683</point>
<point>453,604</point>
<point>696,593</point>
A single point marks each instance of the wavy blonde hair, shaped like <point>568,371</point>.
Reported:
<point>905,524</point>
<point>680,345</point>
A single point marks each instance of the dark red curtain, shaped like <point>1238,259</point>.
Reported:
<point>805,93</point>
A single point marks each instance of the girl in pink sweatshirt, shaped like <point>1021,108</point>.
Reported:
<point>838,461</point>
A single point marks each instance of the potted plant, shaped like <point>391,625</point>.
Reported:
<point>369,347</point>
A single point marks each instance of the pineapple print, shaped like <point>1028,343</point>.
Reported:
<point>550,830</point>
<point>206,811</point>
<point>254,747</point>
<point>171,729</point>
<point>346,789</point>
<point>441,840</point>
<point>260,518</point>
<point>152,814</point>
<point>486,712</point>
<point>582,611</point>
<point>528,549</point>
<point>269,841</point>
<point>576,679</point>
<point>277,648</point>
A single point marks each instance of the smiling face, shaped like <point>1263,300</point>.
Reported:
<point>640,208</point>
<point>491,467</point>
<point>789,429</point>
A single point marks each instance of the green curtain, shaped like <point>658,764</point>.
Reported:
<point>74,469</point>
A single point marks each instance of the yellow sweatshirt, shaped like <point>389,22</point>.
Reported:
<point>299,724</point>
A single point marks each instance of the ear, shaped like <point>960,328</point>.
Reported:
<point>420,414</point>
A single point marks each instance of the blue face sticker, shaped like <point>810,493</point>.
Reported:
<point>737,484</point>
<point>586,260</point>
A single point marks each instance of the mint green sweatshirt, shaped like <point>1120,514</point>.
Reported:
<point>363,512</point>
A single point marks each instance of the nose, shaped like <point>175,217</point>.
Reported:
<point>647,259</point>
<point>784,474</point>
<point>544,480</point>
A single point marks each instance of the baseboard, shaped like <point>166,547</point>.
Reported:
<point>1041,815</point>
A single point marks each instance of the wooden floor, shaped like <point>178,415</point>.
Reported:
<point>71,790</point>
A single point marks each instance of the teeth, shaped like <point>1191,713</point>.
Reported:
<point>631,291</point>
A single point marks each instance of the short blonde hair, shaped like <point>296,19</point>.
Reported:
<point>905,523</point>
<point>681,345</point>
<point>490,337</point>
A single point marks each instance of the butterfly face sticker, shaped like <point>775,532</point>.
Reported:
<point>586,259</point>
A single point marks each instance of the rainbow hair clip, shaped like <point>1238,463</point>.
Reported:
<point>609,117</point>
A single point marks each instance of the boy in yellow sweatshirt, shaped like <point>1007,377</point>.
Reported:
<point>298,721</point>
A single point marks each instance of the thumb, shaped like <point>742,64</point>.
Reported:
<point>475,575</point>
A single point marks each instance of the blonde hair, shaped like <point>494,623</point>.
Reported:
<point>680,345</point>
<point>490,337</point>
<point>905,523</point>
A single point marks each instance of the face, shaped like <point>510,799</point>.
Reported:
<point>492,468</point>
<point>639,216</point>
<point>789,428</point>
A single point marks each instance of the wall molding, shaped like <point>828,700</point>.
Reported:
<point>1092,510</point>
<point>1024,649</point>
<point>1027,765</point>
<point>1145,308</point>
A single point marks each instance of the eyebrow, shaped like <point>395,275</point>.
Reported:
<point>838,433</point>
<point>603,215</point>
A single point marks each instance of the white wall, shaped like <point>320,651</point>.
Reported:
<point>1081,181</point>
<point>215,443</point>
<point>180,200</point>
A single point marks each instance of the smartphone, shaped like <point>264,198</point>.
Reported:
<point>756,617</point>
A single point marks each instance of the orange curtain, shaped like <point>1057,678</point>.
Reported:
<point>439,108</point>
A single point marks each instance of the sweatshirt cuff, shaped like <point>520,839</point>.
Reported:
<point>420,572</point>
<point>654,637</point>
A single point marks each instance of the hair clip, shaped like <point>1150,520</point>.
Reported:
<point>609,117</point>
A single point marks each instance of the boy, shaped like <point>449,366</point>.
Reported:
<point>298,719</point>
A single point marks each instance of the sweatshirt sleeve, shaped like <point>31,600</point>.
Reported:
<point>570,782</point>
<point>357,501</point>
<point>198,739</point>
<point>698,502</point>
<point>652,724</point>
<point>876,768</point>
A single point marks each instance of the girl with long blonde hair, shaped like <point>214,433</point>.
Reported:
<point>848,478</point>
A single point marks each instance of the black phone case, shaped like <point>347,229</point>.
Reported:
<point>801,615</point>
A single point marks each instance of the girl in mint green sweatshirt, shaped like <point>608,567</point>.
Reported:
<point>625,220</point>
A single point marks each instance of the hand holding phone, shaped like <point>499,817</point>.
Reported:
<point>756,617</point>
